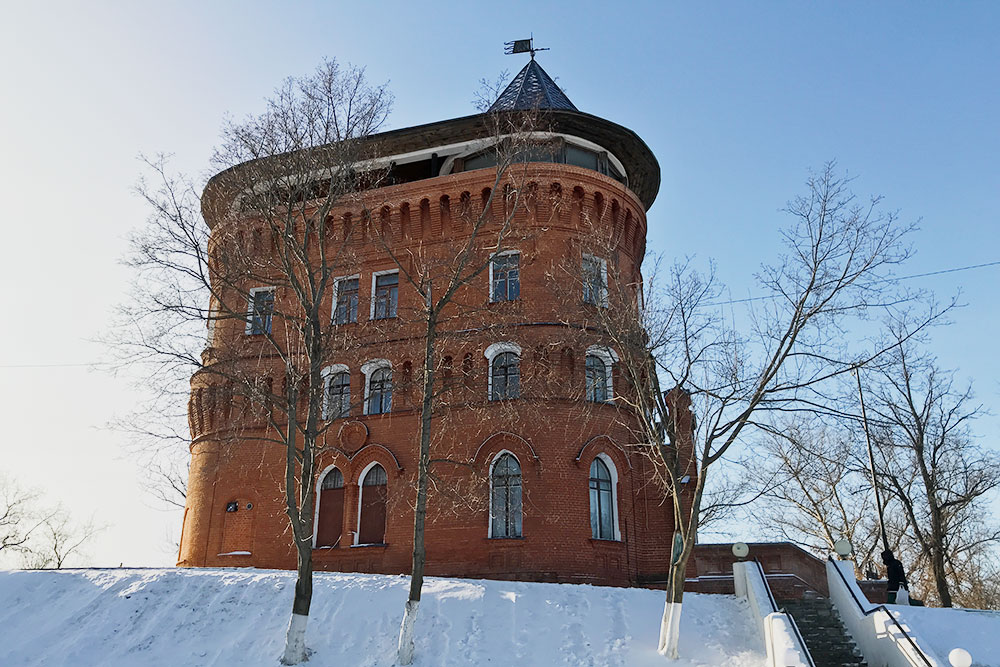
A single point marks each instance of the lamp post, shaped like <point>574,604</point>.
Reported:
<point>871,462</point>
<point>843,548</point>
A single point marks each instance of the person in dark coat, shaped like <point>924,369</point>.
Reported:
<point>895,574</point>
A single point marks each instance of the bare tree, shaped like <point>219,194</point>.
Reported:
<point>929,460</point>
<point>700,385</point>
<point>19,516</point>
<point>41,535</point>
<point>254,261</point>
<point>439,276</point>
<point>820,493</point>
<point>58,539</point>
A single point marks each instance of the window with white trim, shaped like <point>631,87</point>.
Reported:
<point>378,386</point>
<point>372,506</point>
<point>330,509</point>
<point>602,501</point>
<point>505,497</point>
<point>337,399</point>
<point>595,280</point>
<point>505,276</point>
<point>597,379</point>
<point>505,376</point>
<point>385,294</point>
<point>345,301</point>
<point>260,311</point>
<point>599,367</point>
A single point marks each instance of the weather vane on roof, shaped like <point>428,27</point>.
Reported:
<point>522,46</point>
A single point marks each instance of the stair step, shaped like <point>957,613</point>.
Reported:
<point>828,641</point>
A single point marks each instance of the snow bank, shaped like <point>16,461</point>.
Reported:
<point>978,632</point>
<point>227,617</point>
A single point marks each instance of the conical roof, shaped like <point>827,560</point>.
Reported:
<point>532,88</point>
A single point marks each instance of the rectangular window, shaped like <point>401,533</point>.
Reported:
<point>260,311</point>
<point>505,277</point>
<point>595,280</point>
<point>346,294</point>
<point>385,292</point>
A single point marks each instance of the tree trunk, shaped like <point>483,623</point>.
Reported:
<point>295,638</point>
<point>405,647</point>
<point>940,577</point>
<point>670,625</point>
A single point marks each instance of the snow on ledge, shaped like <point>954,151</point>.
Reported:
<point>235,553</point>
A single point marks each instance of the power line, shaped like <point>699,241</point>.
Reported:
<point>46,365</point>
<point>874,282</point>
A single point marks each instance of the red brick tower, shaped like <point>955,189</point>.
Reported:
<point>557,489</point>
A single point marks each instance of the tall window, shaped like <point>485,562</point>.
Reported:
<point>505,278</point>
<point>505,497</point>
<point>330,523</point>
<point>380,391</point>
<point>260,310</point>
<point>346,308</point>
<point>597,379</point>
<point>505,374</point>
<point>595,280</point>
<point>338,395</point>
<point>371,520</point>
<point>602,509</point>
<point>385,293</point>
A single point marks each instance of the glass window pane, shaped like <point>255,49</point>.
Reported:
<point>262,309</point>
<point>607,533</point>
<point>380,392</point>
<point>375,477</point>
<point>581,157</point>
<point>333,480</point>
<point>386,293</point>
<point>594,517</point>
<point>515,510</point>
<point>505,503</point>
<point>481,161</point>
<point>506,283</point>
<point>347,301</point>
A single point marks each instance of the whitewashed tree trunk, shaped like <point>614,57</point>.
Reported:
<point>670,630</point>
<point>295,640</point>
<point>406,630</point>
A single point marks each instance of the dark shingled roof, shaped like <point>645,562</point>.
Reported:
<point>532,88</point>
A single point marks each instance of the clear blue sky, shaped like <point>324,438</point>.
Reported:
<point>737,100</point>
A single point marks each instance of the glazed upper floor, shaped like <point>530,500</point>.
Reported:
<point>435,150</point>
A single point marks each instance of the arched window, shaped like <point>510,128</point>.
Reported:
<point>371,517</point>
<point>330,522</point>
<point>602,501</point>
<point>600,362</point>
<point>597,379</point>
<point>378,386</point>
<point>505,497</point>
<point>338,395</point>
<point>505,373</point>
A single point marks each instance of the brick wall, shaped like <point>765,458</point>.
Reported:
<point>552,431</point>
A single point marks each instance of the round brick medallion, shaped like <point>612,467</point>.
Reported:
<point>353,436</point>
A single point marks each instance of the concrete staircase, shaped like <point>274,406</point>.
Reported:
<point>827,639</point>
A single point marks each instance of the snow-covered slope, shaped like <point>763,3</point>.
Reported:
<point>978,632</point>
<point>237,617</point>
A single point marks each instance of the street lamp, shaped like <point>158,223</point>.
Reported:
<point>871,462</point>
